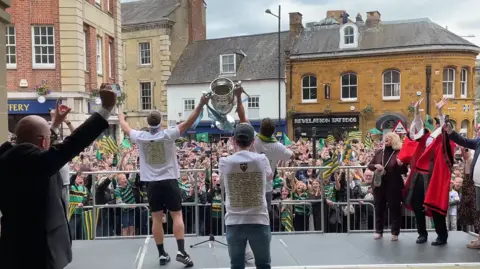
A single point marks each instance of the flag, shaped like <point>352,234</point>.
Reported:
<point>126,144</point>
<point>332,164</point>
<point>353,135</point>
<point>428,125</point>
<point>368,142</point>
<point>88,223</point>
<point>330,139</point>
<point>321,144</point>
<point>202,137</point>
<point>108,145</point>
<point>98,154</point>
<point>286,218</point>
<point>286,141</point>
<point>347,153</point>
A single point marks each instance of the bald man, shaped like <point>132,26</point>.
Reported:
<point>35,232</point>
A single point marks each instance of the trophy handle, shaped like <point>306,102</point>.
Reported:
<point>239,85</point>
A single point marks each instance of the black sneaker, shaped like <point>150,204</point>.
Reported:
<point>164,259</point>
<point>185,259</point>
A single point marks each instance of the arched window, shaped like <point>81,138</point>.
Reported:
<point>454,124</point>
<point>309,89</point>
<point>464,128</point>
<point>463,83</point>
<point>349,87</point>
<point>348,35</point>
<point>391,85</point>
<point>449,82</point>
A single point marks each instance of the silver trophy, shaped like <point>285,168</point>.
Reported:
<point>223,100</point>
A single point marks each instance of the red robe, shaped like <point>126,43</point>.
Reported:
<point>437,163</point>
<point>411,151</point>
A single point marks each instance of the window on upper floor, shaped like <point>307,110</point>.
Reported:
<point>309,89</point>
<point>391,85</point>
<point>11,46</point>
<point>349,87</point>
<point>227,64</point>
<point>463,83</point>
<point>449,82</point>
<point>98,2</point>
<point>99,56</point>
<point>188,107</point>
<point>146,95</point>
<point>254,107</point>
<point>85,50</point>
<point>348,36</point>
<point>111,63</point>
<point>43,43</point>
<point>144,53</point>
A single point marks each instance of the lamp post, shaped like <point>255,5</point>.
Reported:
<point>268,11</point>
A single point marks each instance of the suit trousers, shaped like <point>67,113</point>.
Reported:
<point>390,197</point>
<point>439,220</point>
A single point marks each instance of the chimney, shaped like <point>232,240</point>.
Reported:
<point>197,28</point>
<point>373,18</point>
<point>359,18</point>
<point>296,25</point>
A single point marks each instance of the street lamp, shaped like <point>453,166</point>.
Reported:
<point>268,11</point>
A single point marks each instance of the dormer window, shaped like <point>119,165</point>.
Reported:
<point>228,64</point>
<point>348,36</point>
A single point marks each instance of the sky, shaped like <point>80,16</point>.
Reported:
<point>243,17</point>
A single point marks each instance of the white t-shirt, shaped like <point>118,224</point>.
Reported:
<point>243,176</point>
<point>275,152</point>
<point>158,154</point>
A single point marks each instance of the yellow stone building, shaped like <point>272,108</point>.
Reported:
<point>359,75</point>
<point>155,33</point>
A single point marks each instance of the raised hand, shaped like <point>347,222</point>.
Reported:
<point>60,113</point>
<point>416,106</point>
<point>441,104</point>
<point>108,97</point>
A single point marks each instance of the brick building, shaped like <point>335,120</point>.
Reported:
<point>71,46</point>
<point>358,75</point>
<point>155,34</point>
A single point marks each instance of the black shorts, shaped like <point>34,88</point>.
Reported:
<point>164,195</point>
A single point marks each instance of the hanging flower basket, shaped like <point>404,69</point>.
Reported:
<point>367,110</point>
<point>121,98</point>
<point>42,90</point>
<point>411,107</point>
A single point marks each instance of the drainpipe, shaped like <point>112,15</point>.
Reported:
<point>428,87</point>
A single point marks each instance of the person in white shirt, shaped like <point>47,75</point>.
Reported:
<point>243,179</point>
<point>159,168</point>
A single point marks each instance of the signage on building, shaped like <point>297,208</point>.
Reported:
<point>30,107</point>
<point>328,119</point>
<point>399,128</point>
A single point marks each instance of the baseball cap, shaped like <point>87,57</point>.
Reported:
<point>154,118</point>
<point>244,132</point>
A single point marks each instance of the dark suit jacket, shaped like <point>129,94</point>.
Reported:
<point>35,231</point>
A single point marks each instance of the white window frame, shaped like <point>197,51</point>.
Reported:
<point>140,86</point>
<point>110,62</point>
<point>344,45</point>
<point>234,64</point>
<point>253,106</point>
<point>448,81</point>
<point>140,56</point>
<point>85,48</point>
<point>188,105</point>
<point>393,84</point>
<point>43,65</point>
<point>99,55</point>
<point>463,83</point>
<point>109,6</point>
<point>98,2</point>
<point>8,46</point>
<point>349,85</point>
<point>310,88</point>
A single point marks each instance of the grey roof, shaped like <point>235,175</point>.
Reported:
<point>200,61</point>
<point>147,11</point>
<point>394,34</point>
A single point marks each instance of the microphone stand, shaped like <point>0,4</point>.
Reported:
<point>211,238</point>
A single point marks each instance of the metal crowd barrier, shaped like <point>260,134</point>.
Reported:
<point>102,221</point>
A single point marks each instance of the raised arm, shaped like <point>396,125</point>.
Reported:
<point>182,127</point>
<point>240,108</point>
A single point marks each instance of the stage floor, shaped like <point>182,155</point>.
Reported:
<point>288,251</point>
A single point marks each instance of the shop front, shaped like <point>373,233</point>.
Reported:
<point>321,125</point>
<point>18,109</point>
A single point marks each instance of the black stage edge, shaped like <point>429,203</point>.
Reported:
<point>288,251</point>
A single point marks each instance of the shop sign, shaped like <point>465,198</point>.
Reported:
<point>30,107</point>
<point>330,119</point>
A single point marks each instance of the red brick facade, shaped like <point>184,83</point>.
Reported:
<point>26,14</point>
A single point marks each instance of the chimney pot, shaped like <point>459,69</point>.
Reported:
<point>373,18</point>
<point>359,18</point>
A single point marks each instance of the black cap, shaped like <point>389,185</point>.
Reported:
<point>244,132</point>
<point>154,118</point>
<point>437,120</point>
